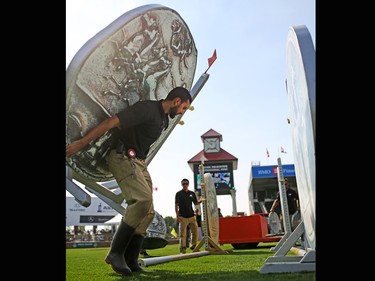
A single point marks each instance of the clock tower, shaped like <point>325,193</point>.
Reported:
<point>219,163</point>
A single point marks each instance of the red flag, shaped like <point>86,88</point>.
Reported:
<point>282,150</point>
<point>268,154</point>
<point>212,59</point>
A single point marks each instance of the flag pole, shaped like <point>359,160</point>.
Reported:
<point>207,69</point>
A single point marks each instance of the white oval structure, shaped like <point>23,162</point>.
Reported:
<point>300,82</point>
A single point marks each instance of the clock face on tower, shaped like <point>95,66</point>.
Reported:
<point>211,145</point>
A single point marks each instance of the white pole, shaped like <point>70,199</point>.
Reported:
<point>157,260</point>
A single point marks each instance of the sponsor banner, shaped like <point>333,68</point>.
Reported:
<point>94,219</point>
<point>259,172</point>
<point>85,245</point>
<point>97,213</point>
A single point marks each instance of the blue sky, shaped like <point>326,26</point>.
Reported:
<point>244,99</point>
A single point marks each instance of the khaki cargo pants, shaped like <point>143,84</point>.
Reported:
<point>192,223</point>
<point>135,183</point>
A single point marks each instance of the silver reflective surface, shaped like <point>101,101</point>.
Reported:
<point>300,79</point>
<point>142,55</point>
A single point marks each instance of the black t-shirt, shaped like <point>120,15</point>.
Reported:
<point>291,196</point>
<point>185,201</point>
<point>141,125</point>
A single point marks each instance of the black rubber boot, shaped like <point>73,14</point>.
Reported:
<point>120,242</point>
<point>132,253</point>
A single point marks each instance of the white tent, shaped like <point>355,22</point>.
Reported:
<point>115,220</point>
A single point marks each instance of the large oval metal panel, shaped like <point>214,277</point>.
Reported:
<point>300,79</point>
<point>157,227</point>
<point>142,55</point>
<point>211,208</point>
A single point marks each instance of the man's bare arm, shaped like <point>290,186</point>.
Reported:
<point>93,134</point>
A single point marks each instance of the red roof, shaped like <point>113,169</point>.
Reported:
<point>221,156</point>
<point>211,133</point>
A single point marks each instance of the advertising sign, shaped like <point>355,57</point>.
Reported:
<point>259,172</point>
<point>97,213</point>
<point>222,175</point>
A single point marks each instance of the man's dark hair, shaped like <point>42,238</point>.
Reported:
<point>184,180</point>
<point>179,92</point>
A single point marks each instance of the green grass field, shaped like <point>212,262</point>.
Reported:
<point>87,264</point>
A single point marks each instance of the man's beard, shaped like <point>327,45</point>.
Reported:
<point>173,112</point>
